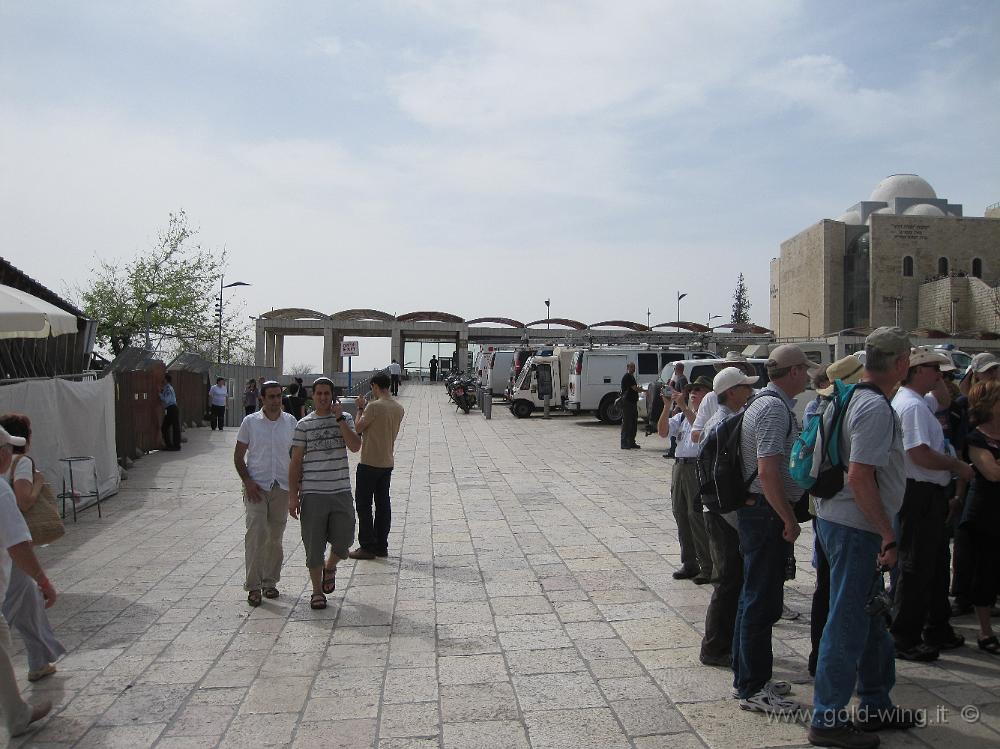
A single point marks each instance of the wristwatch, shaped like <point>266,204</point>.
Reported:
<point>340,418</point>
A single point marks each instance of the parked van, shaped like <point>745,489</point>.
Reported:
<point>497,377</point>
<point>539,374</point>
<point>595,375</point>
<point>522,355</point>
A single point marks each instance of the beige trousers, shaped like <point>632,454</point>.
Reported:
<point>265,527</point>
<point>16,712</point>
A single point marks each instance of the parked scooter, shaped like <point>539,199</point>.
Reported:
<point>463,388</point>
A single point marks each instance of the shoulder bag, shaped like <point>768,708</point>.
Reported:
<point>42,517</point>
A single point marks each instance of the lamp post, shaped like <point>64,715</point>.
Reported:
<point>710,318</point>
<point>649,313</point>
<point>679,297</point>
<point>218,306</point>
<point>808,322</point>
<point>548,307</point>
<point>149,308</point>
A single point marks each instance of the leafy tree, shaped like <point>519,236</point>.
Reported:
<point>182,278</point>
<point>741,304</point>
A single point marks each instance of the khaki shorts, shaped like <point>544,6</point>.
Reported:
<point>326,519</point>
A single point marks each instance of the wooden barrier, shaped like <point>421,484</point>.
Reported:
<point>139,413</point>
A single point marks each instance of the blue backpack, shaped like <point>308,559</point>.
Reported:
<point>816,463</point>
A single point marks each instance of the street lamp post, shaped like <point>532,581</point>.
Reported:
<point>218,306</point>
<point>548,308</point>
<point>149,308</point>
<point>808,322</point>
<point>710,318</point>
<point>679,297</point>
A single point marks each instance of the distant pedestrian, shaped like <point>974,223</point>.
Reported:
<point>630,409</point>
<point>250,398</point>
<point>678,381</point>
<point>217,396</point>
<point>171,427</point>
<point>395,371</point>
<point>294,403</point>
<point>378,424</point>
<point>262,459</point>
<point>434,368</point>
<point>319,487</point>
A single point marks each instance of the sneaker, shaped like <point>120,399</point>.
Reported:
<point>919,652</point>
<point>777,688</point>
<point>47,670</point>
<point>846,736</point>
<point>766,701</point>
<point>894,719</point>
<point>951,642</point>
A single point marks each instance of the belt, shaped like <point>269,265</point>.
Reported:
<point>686,460</point>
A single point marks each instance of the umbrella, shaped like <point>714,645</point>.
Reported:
<point>25,316</point>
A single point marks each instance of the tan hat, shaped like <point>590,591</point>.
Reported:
<point>888,340</point>
<point>848,370</point>
<point>926,355</point>
<point>6,438</point>
<point>982,362</point>
<point>734,356</point>
<point>730,377</point>
<point>789,355</point>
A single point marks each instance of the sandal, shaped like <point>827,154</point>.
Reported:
<point>271,592</point>
<point>253,598</point>
<point>991,645</point>
<point>318,601</point>
<point>329,579</point>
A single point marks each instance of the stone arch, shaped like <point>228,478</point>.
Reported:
<point>564,321</point>
<point>362,314</point>
<point>430,316</point>
<point>627,324</point>
<point>501,320</point>
<point>293,313</point>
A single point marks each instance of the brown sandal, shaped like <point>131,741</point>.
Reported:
<point>329,579</point>
<point>318,601</point>
<point>253,598</point>
<point>271,592</point>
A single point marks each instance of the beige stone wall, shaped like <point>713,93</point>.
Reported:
<point>810,280</point>
<point>977,310</point>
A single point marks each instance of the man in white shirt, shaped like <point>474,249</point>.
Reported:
<point>15,546</point>
<point>921,628</point>
<point>217,395</point>
<point>395,371</point>
<point>263,445</point>
<point>696,557</point>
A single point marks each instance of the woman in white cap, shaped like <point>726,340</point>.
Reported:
<point>985,367</point>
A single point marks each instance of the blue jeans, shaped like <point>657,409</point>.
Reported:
<point>856,648</point>
<point>765,553</point>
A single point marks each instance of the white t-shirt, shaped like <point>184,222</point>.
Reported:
<point>269,443</point>
<point>709,405</point>
<point>21,469</point>
<point>217,395</point>
<point>680,429</point>
<point>395,369</point>
<point>13,531</point>
<point>920,427</point>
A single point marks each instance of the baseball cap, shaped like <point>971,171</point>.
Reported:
<point>6,438</point>
<point>848,370</point>
<point>730,377</point>
<point>888,340</point>
<point>926,355</point>
<point>982,362</point>
<point>789,355</point>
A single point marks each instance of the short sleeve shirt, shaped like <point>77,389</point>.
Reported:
<point>13,531</point>
<point>770,428</point>
<point>920,427</point>
<point>217,395</point>
<point>628,382</point>
<point>325,468</point>
<point>382,419</point>
<point>680,429</point>
<point>708,408</point>
<point>268,445</point>
<point>870,435</point>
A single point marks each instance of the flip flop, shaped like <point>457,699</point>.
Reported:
<point>329,579</point>
<point>270,592</point>
<point>318,601</point>
<point>253,598</point>
<point>991,645</point>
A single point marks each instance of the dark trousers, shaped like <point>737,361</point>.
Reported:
<point>395,384</point>
<point>728,567</point>
<point>820,600</point>
<point>765,554</point>
<point>963,559</point>
<point>372,486</point>
<point>434,375</point>
<point>630,423</point>
<point>218,416</point>
<point>921,590</point>
<point>171,428</point>
<point>247,410</point>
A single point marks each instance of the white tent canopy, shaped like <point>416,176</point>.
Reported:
<point>25,316</point>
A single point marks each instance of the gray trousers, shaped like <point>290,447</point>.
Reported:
<point>24,610</point>
<point>262,544</point>
<point>695,552</point>
<point>16,712</point>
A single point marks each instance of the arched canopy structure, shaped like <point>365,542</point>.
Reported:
<point>565,322</point>
<point>694,327</point>
<point>430,316</point>
<point>501,320</point>
<point>746,328</point>
<point>627,324</point>
<point>294,313</point>
<point>362,314</point>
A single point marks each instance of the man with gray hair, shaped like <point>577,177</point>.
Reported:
<point>855,532</point>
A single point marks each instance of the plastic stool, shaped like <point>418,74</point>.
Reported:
<point>71,493</point>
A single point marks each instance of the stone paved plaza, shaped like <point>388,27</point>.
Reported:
<point>527,602</point>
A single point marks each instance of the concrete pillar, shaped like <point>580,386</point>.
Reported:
<point>259,354</point>
<point>279,353</point>
<point>331,350</point>
<point>338,360</point>
<point>396,348</point>
<point>462,347</point>
<point>268,349</point>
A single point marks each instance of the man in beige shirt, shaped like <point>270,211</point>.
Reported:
<point>378,424</point>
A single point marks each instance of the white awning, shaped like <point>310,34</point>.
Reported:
<point>25,316</point>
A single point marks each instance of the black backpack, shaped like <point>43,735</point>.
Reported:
<point>720,464</point>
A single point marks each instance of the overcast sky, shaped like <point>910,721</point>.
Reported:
<point>479,157</point>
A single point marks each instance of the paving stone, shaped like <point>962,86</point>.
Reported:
<point>485,735</point>
<point>471,669</point>
<point>557,691</point>
<point>571,729</point>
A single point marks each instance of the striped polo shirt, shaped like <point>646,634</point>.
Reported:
<point>324,462</point>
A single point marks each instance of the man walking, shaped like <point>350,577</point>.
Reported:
<point>921,628</point>
<point>378,424</point>
<point>262,458</point>
<point>15,546</point>
<point>217,395</point>
<point>855,531</point>
<point>395,371</point>
<point>250,398</point>
<point>434,368</point>
<point>767,528</point>
<point>171,428</point>
<point>630,408</point>
<point>319,487</point>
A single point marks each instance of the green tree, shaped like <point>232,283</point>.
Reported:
<point>182,279</point>
<point>741,304</point>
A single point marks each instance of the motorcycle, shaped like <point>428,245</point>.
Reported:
<point>463,389</point>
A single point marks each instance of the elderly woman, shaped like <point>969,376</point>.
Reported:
<point>24,606</point>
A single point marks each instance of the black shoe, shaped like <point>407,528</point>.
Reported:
<point>894,719</point>
<point>919,652</point>
<point>701,580</point>
<point>847,737</point>
<point>725,660</point>
<point>683,574</point>
<point>951,642</point>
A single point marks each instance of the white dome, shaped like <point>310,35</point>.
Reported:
<point>902,186</point>
<point>849,217</point>
<point>923,209</point>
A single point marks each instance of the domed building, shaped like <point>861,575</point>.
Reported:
<point>903,257</point>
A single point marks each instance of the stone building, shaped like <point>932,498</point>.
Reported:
<point>903,257</point>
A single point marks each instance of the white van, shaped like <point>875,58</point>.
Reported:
<point>497,376</point>
<point>595,375</point>
<point>539,369</point>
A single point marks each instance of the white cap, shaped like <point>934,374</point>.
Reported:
<point>731,377</point>
<point>7,439</point>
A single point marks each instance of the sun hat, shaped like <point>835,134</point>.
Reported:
<point>926,355</point>
<point>730,377</point>
<point>701,383</point>
<point>6,438</point>
<point>848,370</point>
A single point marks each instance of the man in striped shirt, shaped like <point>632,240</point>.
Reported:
<point>319,487</point>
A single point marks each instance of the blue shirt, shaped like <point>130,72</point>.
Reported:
<point>168,396</point>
